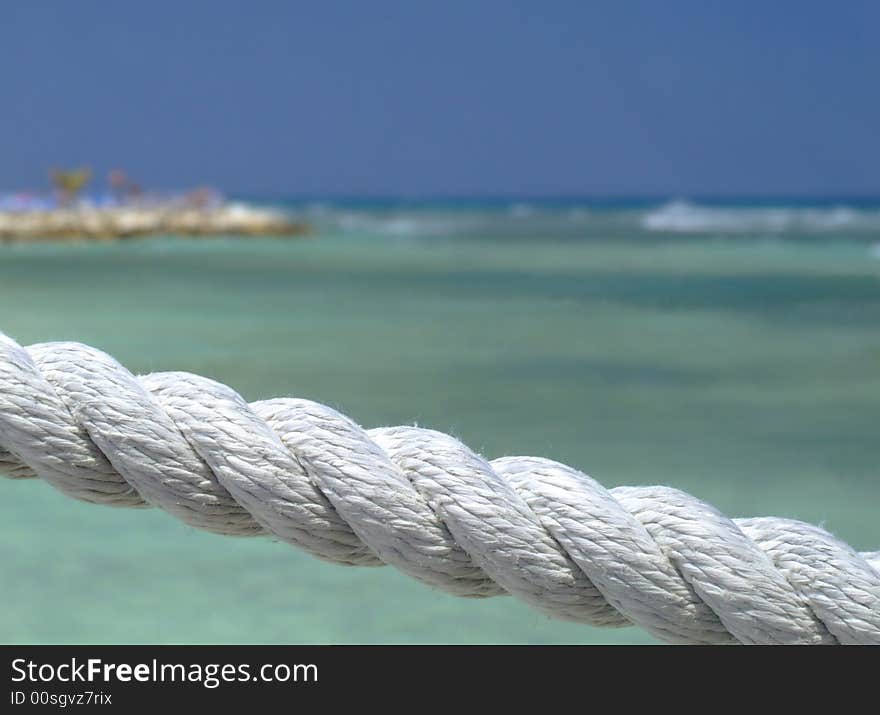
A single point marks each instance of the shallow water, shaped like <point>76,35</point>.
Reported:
<point>743,367</point>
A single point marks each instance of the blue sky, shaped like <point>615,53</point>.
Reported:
<point>447,98</point>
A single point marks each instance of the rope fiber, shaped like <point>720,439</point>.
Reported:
<point>423,502</point>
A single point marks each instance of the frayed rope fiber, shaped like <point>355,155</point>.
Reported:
<point>423,502</point>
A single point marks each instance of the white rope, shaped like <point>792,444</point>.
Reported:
<point>423,502</point>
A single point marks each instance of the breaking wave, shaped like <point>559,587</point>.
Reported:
<point>585,220</point>
<point>686,217</point>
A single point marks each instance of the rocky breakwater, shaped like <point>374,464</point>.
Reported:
<point>89,222</point>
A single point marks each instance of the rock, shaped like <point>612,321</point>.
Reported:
<point>130,221</point>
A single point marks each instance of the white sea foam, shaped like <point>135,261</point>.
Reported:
<point>686,217</point>
<point>584,221</point>
<point>400,224</point>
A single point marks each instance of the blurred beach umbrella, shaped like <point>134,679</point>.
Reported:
<point>117,179</point>
<point>121,185</point>
<point>70,182</point>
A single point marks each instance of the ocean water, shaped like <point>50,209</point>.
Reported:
<point>730,350</point>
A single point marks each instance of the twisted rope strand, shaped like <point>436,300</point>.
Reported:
<point>423,502</point>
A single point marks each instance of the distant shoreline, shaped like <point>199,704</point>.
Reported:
<point>120,222</point>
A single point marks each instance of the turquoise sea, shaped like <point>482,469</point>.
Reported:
<point>731,350</point>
